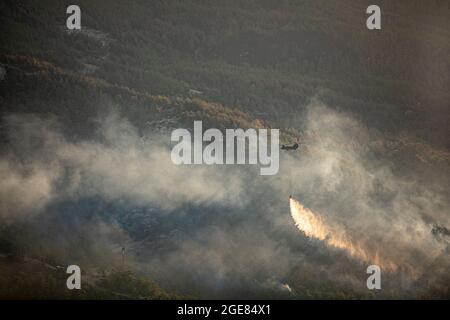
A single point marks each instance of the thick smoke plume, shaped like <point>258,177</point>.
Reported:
<point>365,207</point>
<point>226,229</point>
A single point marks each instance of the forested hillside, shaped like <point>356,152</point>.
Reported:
<point>162,64</point>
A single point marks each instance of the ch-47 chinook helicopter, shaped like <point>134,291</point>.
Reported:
<point>289,147</point>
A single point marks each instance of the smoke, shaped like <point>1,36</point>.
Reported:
<point>23,190</point>
<point>366,209</point>
<point>42,166</point>
<point>225,231</point>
